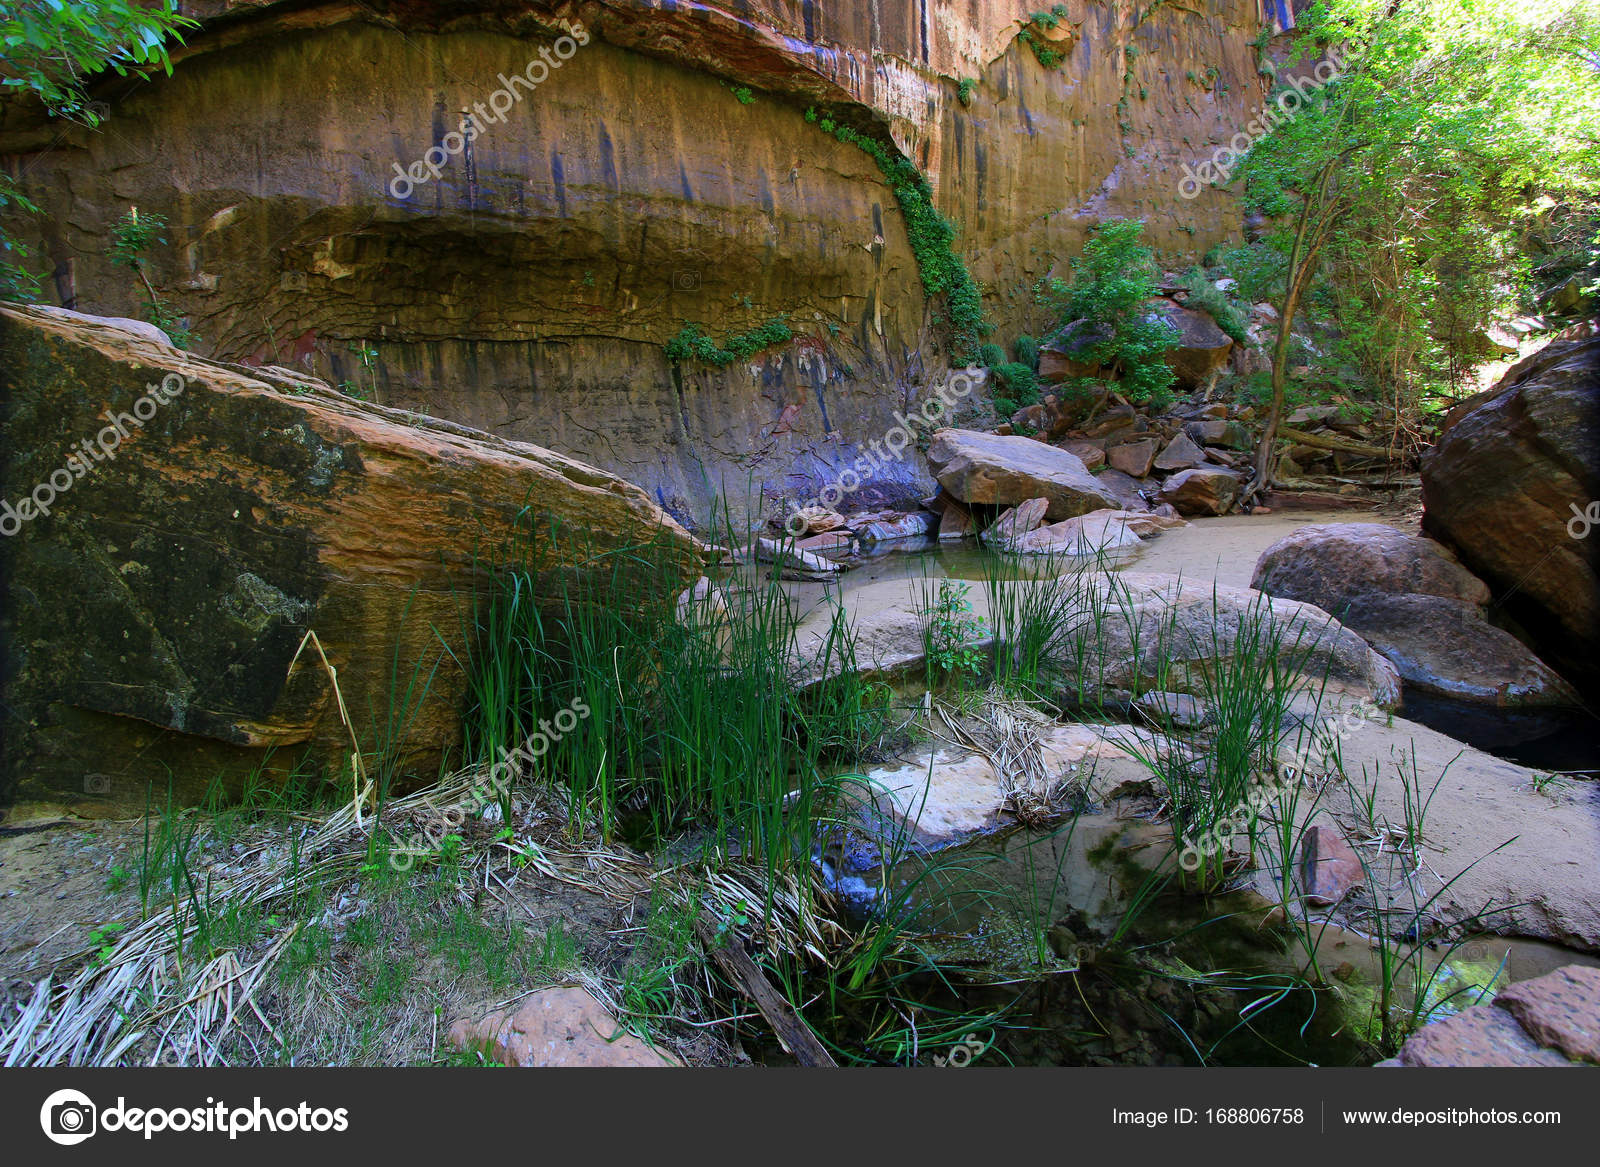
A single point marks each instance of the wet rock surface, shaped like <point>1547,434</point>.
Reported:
<point>1553,1020</point>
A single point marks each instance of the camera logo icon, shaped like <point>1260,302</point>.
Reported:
<point>685,281</point>
<point>68,1117</point>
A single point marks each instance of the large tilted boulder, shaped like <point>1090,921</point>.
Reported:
<point>1507,487</point>
<point>1202,349</point>
<point>1446,648</point>
<point>996,470</point>
<point>149,619</point>
<point>1413,602</point>
<point>1331,564</point>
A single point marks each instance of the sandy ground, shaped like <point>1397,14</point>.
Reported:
<point>1226,549</point>
<point>1547,877</point>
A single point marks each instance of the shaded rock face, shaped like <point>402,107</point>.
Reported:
<point>150,618</point>
<point>1412,601</point>
<point>1506,486</point>
<point>997,470</point>
<point>1447,648</point>
<point>1331,564</point>
<point>528,290</point>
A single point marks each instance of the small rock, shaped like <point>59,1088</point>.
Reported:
<point>1017,521</point>
<point>1202,491</point>
<point>1178,710</point>
<point>955,524</point>
<point>1218,432</point>
<point>791,559</point>
<point>1560,1010</point>
<point>1482,1035</point>
<point>1092,453</point>
<point>894,530</point>
<point>1329,868</point>
<point>1133,458</point>
<point>828,543</point>
<point>1180,454</point>
<point>557,1027</point>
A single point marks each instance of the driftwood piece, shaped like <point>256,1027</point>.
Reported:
<point>793,1033</point>
<point>1328,442</point>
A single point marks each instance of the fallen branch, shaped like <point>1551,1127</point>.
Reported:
<point>793,1033</point>
<point>1326,442</point>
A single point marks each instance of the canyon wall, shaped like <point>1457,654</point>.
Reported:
<point>661,172</point>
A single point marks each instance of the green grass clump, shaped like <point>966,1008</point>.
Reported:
<point>649,717</point>
<point>1034,605</point>
<point>690,344</point>
<point>964,90</point>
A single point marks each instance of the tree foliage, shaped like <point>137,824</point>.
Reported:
<point>1104,317</point>
<point>52,50</point>
<point>1397,187</point>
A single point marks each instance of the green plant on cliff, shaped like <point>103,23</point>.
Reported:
<point>690,344</point>
<point>1044,52</point>
<point>932,238</point>
<point>53,48</point>
<point>1103,316</point>
<point>131,237</point>
<point>964,90</point>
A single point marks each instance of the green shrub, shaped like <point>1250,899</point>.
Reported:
<point>690,344</point>
<point>990,355</point>
<point>1044,52</point>
<point>1027,349</point>
<point>1112,281</point>
<point>1206,296</point>
<point>964,89</point>
<point>1016,382</point>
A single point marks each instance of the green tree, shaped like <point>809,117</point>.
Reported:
<point>1399,177</point>
<point>1104,317</point>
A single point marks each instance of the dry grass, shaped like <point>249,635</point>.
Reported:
<point>357,963</point>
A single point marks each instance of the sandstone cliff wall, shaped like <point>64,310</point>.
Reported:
<point>530,288</point>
